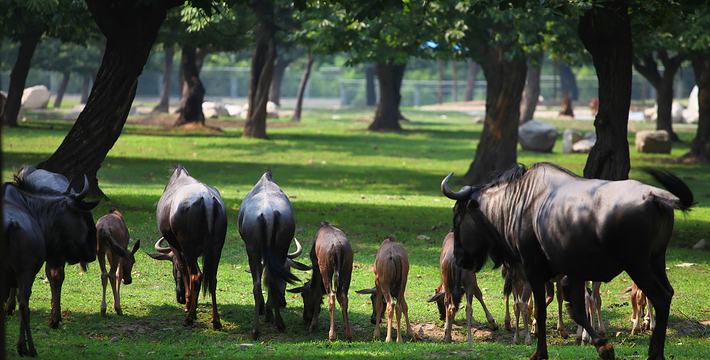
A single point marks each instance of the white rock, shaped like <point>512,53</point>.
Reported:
<point>583,146</point>
<point>569,138</point>
<point>271,106</point>
<point>36,97</point>
<point>653,142</point>
<point>537,136</point>
<point>691,114</point>
<point>701,245</point>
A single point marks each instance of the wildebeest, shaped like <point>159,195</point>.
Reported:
<point>332,260</point>
<point>66,224</point>
<point>112,238</point>
<point>24,258</point>
<point>517,286</point>
<point>550,221</point>
<point>640,318</point>
<point>266,224</point>
<point>593,307</point>
<point>391,270</point>
<point>454,283</point>
<point>193,220</point>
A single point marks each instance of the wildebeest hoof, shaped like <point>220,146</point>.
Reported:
<point>606,352</point>
<point>188,322</point>
<point>538,356</point>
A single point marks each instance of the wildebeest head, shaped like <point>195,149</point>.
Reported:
<point>128,262</point>
<point>309,299</point>
<point>438,298</point>
<point>472,230</point>
<point>166,253</point>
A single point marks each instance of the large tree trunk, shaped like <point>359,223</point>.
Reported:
<point>664,86</point>
<point>471,81</point>
<point>279,70</point>
<point>130,31</point>
<point>568,82</point>
<point>192,111</point>
<point>200,54</point>
<point>302,87</point>
<point>164,103</point>
<point>497,148</point>
<point>606,33</point>
<point>18,77</point>
<point>371,96</point>
<point>62,89</point>
<point>700,146</point>
<point>531,92</point>
<point>387,114</point>
<point>262,70</point>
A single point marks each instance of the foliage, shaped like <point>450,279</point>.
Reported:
<point>369,184</point>
<point>53,55</point>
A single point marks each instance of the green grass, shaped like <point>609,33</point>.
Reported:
<point>370,185</point>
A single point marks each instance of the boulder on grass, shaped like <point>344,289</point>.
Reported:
<point>583,146</point>
<point>653,142</point>
<point>537,136</point>
<point>36,97</point>
<point>569,138</point>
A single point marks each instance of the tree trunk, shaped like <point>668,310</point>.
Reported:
<point>700,146</point>
<point>663,85</point>
<point>387,114</point>
<point>262,70</point>
<point>200,54</point>
<point>370,86</point>
<point>62,89</point>
<point>164,103</point>
<point>497,148</point>
<point>279,70</point>
<point>568,82</point>
<point>531,92</point>
<point>192,111</point>
<point>302,87</point>
<point>606,34</point>
<point>130,31</point>
<point>471,81</point>
<point>18,77</point>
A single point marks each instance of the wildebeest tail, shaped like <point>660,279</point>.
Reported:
<point>213,251</point>
<point>397,281</point>
<point>676,186</point>
<point>456,293</point>
<point>104,234</point>
<point>338,264</point>
<point>271,261</point>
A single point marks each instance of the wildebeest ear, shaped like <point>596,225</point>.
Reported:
<point>161,256</point>
<point>136,246</point>
<point>472,204</point>
<point>367,291</point>
<point>436,297</point>
<point>297,265</point>
<point>297,290</point>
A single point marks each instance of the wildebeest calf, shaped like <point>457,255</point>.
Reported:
<point>112,239</point>
<point>332,260</point>
<point>448,295</point>
<point>517,285</point>
<point>391,270</point>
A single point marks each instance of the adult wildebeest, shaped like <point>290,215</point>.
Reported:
<point>193,220</point>
<point>391,270</point>
<point>550,221</point>
<point>332,260</point>
<point>112,238</point>
<point>66,224</point>
<point>24,258</point>
<point>454,283</point>
<point>266,224</point>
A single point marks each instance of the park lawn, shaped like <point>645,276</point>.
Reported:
<point>369,184</point>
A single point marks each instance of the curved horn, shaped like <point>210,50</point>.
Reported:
<point>80,196</point>
<point>460,195</point>
<point>162,250</point>
<point>299,250</point>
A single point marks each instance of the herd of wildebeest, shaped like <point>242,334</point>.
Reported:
<point>543,225</point>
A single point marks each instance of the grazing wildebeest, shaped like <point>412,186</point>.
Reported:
<point>391,270</point>
<point>67,226</point>
<point>112,238</point>
<point>454,283</point>
<point>193,220</point>
<point>517,286</point>
<point>266,224</point>
<point>332,260</point>
<point>24,258</point>
<point>640,318</point>
<point>550,221</point>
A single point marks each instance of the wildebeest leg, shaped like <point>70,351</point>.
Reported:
<point>469,316</point>
<point>597,308</point>
<point>255,266</point>
<point>104,276</point>
<point>649,315</point>
<point>216,323</point>
<point>55,275</point>
<point>538,291</point>
<point>526,297</point>
<point>476,291</point>
<point>343,287</point>
<point>316,281</point>
<point>24,292</point>
<point>405,309</point>
<point>10,304</point>
<point>390,315</point>
<point>560,298</point>
<point>507,313</point>
<point>195,279</point>
<point>450,315</point>
<point>654,283</point>
<point>577,289</point>
<point>115,277</point>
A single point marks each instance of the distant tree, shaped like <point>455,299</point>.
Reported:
<point>698,43</point>
<point>302,87</point>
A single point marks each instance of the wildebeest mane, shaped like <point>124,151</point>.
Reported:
<point>21,183</point>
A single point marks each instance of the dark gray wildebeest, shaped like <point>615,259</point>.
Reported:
<point>550,221</point>
<point>112,238</point>
<point>332,259</point>
<point>66,224</point>
<point>455,282</point>
<point>391,270</point>
<point>24,258</point>
<point>266,224</point>
<point>193,220</point>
